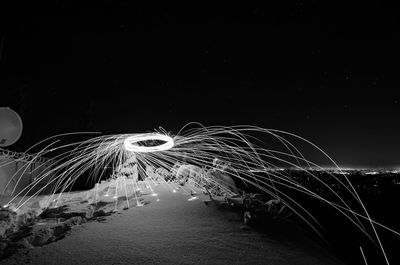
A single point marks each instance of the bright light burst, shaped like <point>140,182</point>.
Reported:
<point>130,143</point>
<point>197,150</point>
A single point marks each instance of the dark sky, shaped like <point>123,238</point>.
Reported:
<point>328,72</point>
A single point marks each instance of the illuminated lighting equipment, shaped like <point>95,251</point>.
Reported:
<point>130,143</point>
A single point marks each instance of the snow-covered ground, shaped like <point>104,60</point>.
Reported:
<point>175,228</point>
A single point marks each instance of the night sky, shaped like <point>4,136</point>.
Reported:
<point>328,72</point>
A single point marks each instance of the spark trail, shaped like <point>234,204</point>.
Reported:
<point>242,149</point>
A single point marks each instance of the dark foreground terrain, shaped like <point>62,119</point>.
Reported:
<point>379,190</point>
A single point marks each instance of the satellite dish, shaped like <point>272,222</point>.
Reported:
<point>10,126</point>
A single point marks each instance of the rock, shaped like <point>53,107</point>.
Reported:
<point>66,213</point>
<point>101,213</point>
<point>249,218</point>
<point>8,222</point>
<point>76,220</point>
<point>59,231</point>
<point>23,243</point>
<point>225,181</point>
<point>41,236</point>
<point>27,218</point>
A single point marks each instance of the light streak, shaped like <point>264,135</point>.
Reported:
<point>250,162</point>
<point>130,143</point>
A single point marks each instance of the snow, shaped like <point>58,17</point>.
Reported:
<point>176,230</point>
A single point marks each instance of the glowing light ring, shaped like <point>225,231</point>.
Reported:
<point>130,145</point>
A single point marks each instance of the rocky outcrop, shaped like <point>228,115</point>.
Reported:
<point>46,220</point>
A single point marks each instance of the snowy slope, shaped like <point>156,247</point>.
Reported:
<point>175,230</point>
